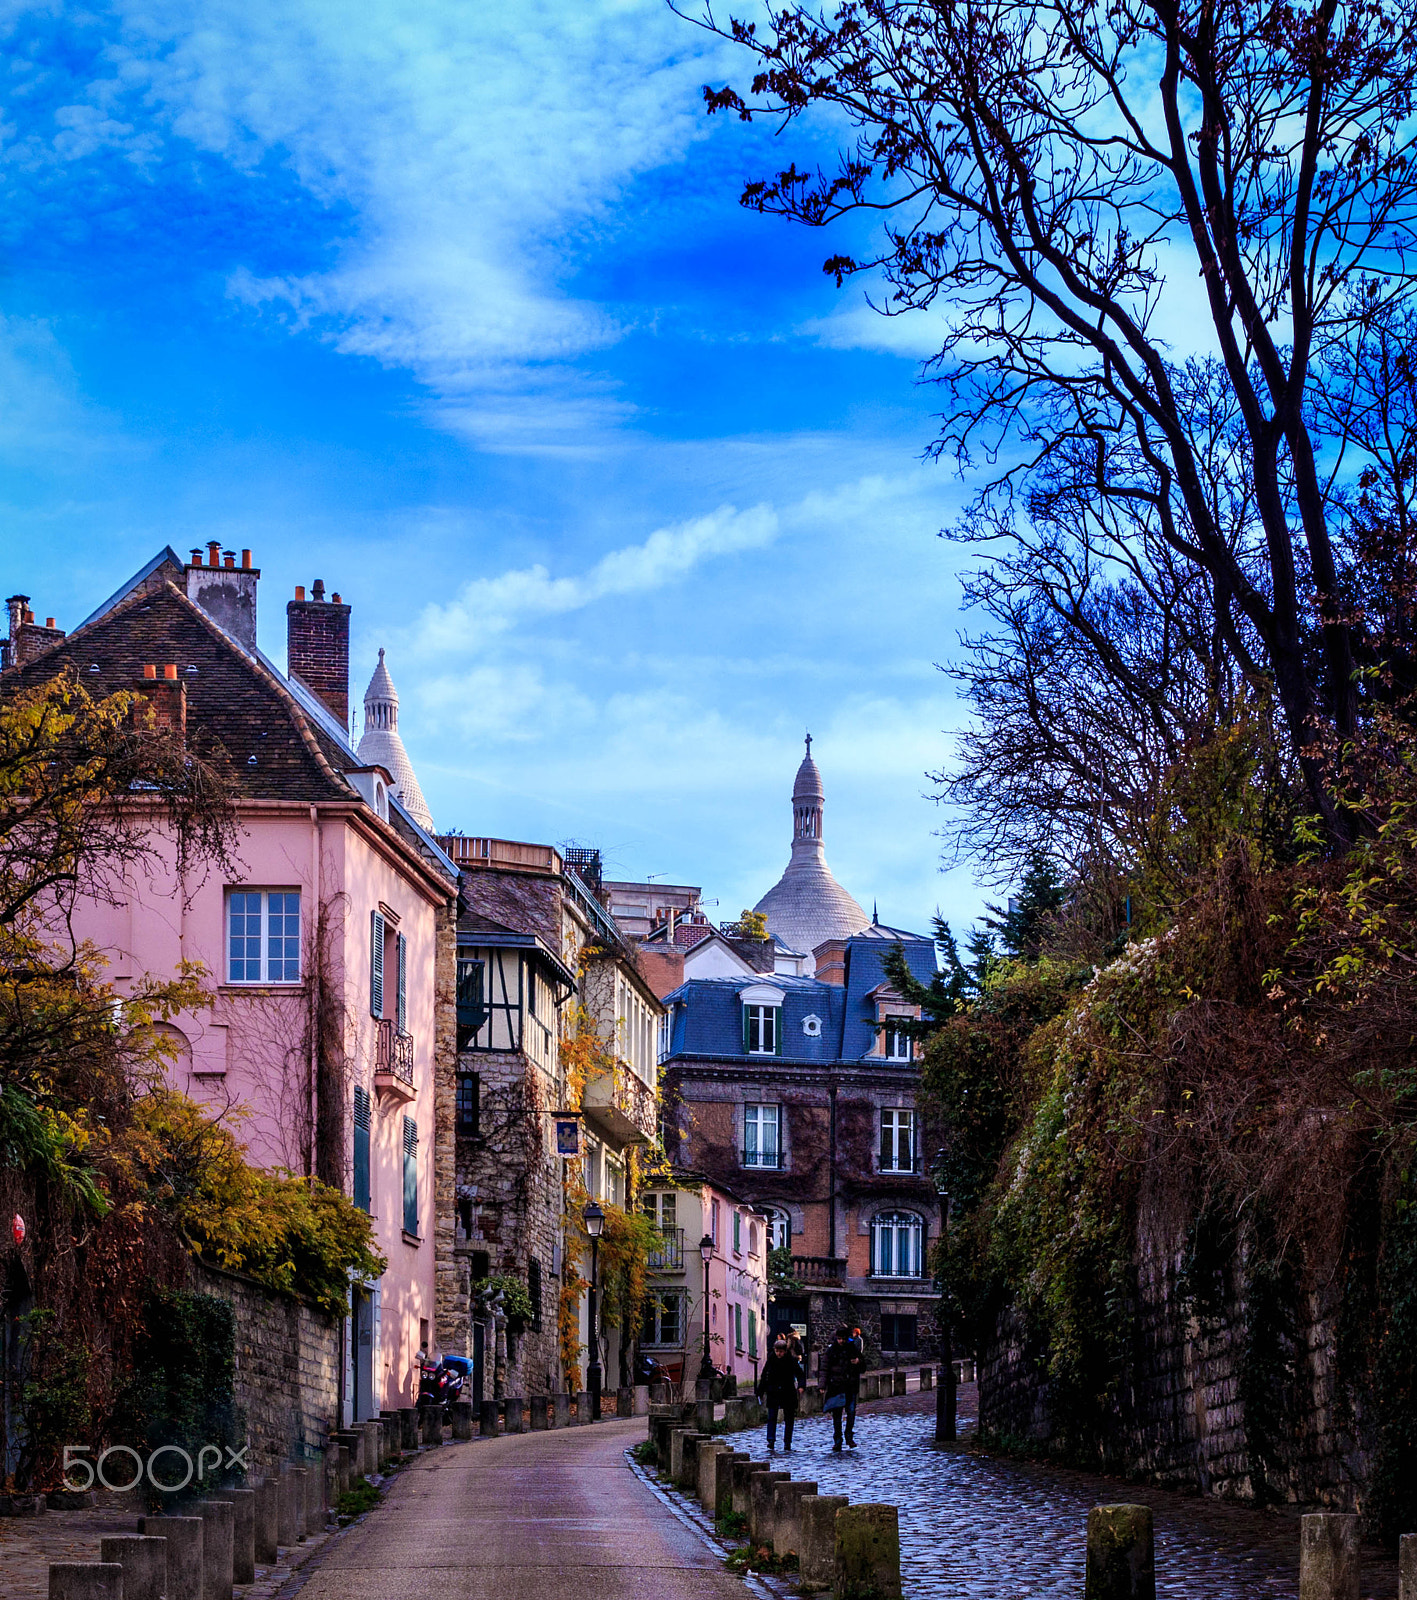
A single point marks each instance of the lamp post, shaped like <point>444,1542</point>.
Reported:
<point>594,1219</point>
<point>706,1251</point>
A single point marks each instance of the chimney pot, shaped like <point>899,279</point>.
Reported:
<point>230,561</point>
<point>336,599</point>
<point>150,671</point>
<point>245,560</point>
<point>317,589</point>
<point>49,622</point>
<point>214,554</point>
<point>300,591</point>
<point>170,671</point>
<point>196,555</point>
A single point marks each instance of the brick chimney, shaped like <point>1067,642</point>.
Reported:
<point>167,695</point>
<point>226,592</point>
<point>831,961</point>
<point>27,639</point>
<point>317,647</point>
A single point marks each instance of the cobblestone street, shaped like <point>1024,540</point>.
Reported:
<point>977,1527</point>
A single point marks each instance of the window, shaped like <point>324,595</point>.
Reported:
<point>614,1181</point>
<point>761,1030</point>
<point>533,1292</point>
<point>472,1011</point>
<point>738,1327</point>
<point>263,936</point>
<point>896,1044</point>
<point>752,1238</point>
<point>737,1233</point>
<point>401,1013</point>
<point>661,1209</point>
<point>760,1142</point>
<point>899,1332</point>
<point>469,1104</point>
<point>779,1230</point>
<point>376,963</point>
<point>361,1148</point>
<point>410,1176</point>
<point>752,1334</point>
<point>663,1320</point>
<point>897,1141</point>
<point>713,1220</point>
<point>896,1245</point>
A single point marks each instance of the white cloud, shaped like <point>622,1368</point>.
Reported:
<point>489,606</point>
<point>914,334</point>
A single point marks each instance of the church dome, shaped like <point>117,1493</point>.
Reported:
<point>382,746</point>
<point>807,905</point>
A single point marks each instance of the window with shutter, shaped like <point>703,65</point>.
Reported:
<point>403,985</point>
<point>410,1176</point>
<point>361,1148</point>
<point>376,963</point>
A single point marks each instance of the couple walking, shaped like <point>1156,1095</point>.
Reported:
<point>784,1376</point>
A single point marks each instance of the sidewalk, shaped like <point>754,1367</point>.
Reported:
<point>533,1516</point>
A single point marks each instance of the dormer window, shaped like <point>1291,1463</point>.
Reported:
<point>761,1030</point>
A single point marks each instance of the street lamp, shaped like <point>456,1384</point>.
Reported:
<point>594,1219</point>
<point>706,1251</point>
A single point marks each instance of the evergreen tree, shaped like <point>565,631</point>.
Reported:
<point>1025,923</point>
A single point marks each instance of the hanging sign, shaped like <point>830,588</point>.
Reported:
<point>568,1137</point>
<point>17,1229</point>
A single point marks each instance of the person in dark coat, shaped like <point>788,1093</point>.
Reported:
<point>841,1381</point>
<point>779,1384</point>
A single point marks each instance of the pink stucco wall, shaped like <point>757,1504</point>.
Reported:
<point>247,1055</point>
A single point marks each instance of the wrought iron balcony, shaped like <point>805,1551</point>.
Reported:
<point>393,1059</point>
<point>819,1270</point>
<point>669,1255</point>
<point>771,1160</point>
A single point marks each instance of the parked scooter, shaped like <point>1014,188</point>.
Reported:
<point>439,1384</point>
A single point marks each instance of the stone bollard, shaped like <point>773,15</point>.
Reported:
<point>871,1387</point>
<point>898,1382</point>
<point>867,1564</point>
<point>810,1405</point>
<point>561,1409</point>
<point>462,1419</point>
<point>583,1414</point>
<point>392,1434</point>
<point>315,1497</point>
<point>243,1533</point>
<point>674,1454</point>
<point>659,1394</point>
<point>268,1518</point>
<point>218,1548</point>
<point>432,1425</point>
<point>515,1419</point>
<point>1407,1567</point>
<point>288,1526</point>
<point>185,1539</point>
<point>686,1475</point>
<point>787,1516</point>
<point>85,1580</point>
<point>706,1472</point>
<point>300,1501</point>
<point>723,1481</point>
<point>354,1443</point>
<point>817,1555</point>
<point>624,1402</point>
<point>540,1412</point>
<point>927,1379</point>
<point>1329,1554</point>
<point>641,1400</point>
<point>143,1558</point>
<point>761,1486</point>
<point>344,1467</point>
<point>1120,1560</point>
<point>373,1446</point>
<point>487,1419</point>
<point>408,1429</point>
<point>743,1471</point>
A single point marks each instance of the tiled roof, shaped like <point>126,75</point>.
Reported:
<point>235,702</point>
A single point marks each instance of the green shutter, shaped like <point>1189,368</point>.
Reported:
<point>777,1030</point>
<point>361,1148</point>
<point>410,1176</point>
<point>376,964</point>
<point>745,1030</point>
<point>403,985</point>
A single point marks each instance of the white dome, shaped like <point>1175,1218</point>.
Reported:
<point>381,745</point>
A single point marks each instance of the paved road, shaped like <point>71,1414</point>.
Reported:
<point>978,1527</point>
<point>543,1516</point>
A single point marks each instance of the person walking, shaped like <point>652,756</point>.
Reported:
<point>841,1382</point>
<point>779,1384</point>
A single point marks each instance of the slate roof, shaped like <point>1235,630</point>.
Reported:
<point>708,1012</point>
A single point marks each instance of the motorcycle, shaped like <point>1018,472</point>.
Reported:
<point>439,1384</point>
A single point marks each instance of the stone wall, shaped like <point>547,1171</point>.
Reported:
<point>1232,1402</point>
<point>287,1367</point>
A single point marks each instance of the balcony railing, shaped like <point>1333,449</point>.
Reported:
<point>393,1052</point>
<point>669,1255</point>
<point>770,1159</point>
<point>821,1270</point>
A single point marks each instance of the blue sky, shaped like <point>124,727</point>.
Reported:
<point>453,306</point>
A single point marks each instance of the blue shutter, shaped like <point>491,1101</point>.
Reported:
<point>410,1175</point>
<point>361,1148</point>
<point>403,984</point>
<point>376,964</point>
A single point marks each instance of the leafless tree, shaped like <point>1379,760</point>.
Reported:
<point>1054,173</point>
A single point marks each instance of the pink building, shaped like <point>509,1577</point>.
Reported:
<point>688,1213</point>
<point>324,947</point>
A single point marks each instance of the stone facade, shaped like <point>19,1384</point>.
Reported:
<point>287,1367</point>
